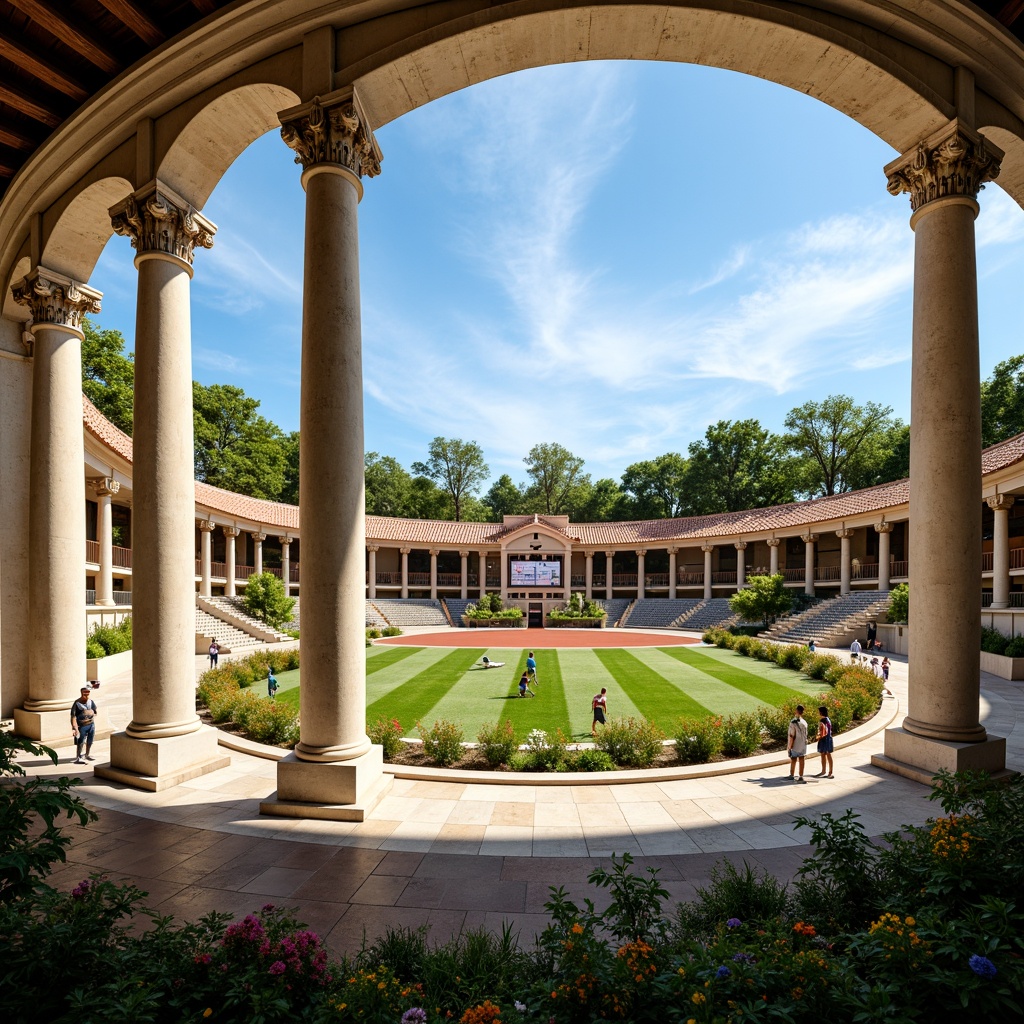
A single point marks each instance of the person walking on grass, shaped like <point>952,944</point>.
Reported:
<point>524,686</point>
<point>797,742</point>
<point>600,707</point>
<point>271,684</point>
<point>825,743</point>
<point>531,668</point>
<point>83,724</point>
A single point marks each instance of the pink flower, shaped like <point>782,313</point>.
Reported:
<point>277,967</point>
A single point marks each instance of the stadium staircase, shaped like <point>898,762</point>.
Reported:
<point>231,610</point>
<point>457,608</point>
<point>832,623</point>
<point>411,611</point>
<point>230,639</point>
<point>709,615</point>
<point>659,612</point>
<point>374,619</point>
<point>617,609</point>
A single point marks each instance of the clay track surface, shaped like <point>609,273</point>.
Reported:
<point>539,639</point>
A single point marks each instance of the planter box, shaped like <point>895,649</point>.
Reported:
<point>98,669</point>
<point>1000,665</point>
<point>577,623</point>
<point>494,623</point>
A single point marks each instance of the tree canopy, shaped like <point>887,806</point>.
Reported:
<point>1002,402</point>
<point>555,473</point>
<point>108,375</point>
<point>458,466</point>
<point>764,597</point>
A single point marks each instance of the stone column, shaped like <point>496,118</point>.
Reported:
<point>809,540</point>
<point>884,530</point>
<point>230,533</point>
<point>672,573</point>
<point>205,560</point>
<point>588,579</point>
<point>433,574</point>
<point>334,767</point>
<point>708,550</point>
<point>464,575</point>
<point>641,557</point>
<point>483,574</point>
<point>741,567</point>
<point>165,742</point>
<point>773,556</point>
<point>503,573</point>
<point>105,489</point>
<point>405,570</point>
<point>257,553</point>
<point>286,564</point>
<point>943,175</point>
<point>844,536</point>
<point>371,573</point>
<point>609,557</point>
<point>1001,505</point>
<point>56,539</point>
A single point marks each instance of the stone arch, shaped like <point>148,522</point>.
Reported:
<point>1011,174</point>
<point>212,139</point>
<point>83,228</point>
<point>11,309</point>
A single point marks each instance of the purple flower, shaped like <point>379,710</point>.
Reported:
<point>278,967</point>
<point>744,958</point>
<point>982,966</point>
<point>414,1016</point>
<point>82,889</point>
<point>722,972</point>
<point>733,922</point>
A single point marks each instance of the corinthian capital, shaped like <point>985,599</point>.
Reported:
<point>55,299</point>
<point>954,161</point>
<point>158,220</point>
<point>1000,502</point>
<point>332,130</point>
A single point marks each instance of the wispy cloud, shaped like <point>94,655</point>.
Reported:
<point>729,268</point>
<point>239,277</point>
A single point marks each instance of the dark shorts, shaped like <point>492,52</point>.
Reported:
<point>826,745</point>
<point>599,715</point>
<point>86,734</point>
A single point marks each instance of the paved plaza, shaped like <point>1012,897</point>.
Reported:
<point>460,853</point>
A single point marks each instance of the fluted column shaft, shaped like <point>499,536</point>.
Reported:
<point>641,558</point>
<point>609,557</point>
<point>844,560</point>
<point>483,573</point>
<point>773,556</point>
<point>741,567</point>
<point>463,574</point>
<point>809,564</point>
<point>286,564</point>
<point>672,574</point>
<point>257,552</point>
<point>588,579</point>
<point>371,572</point>
<point>433,575</point>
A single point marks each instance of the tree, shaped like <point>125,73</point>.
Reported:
<point>290,487</point>
<point>764,598</point>
<point>265,599</point>
<point>555,471</point>
<point>597,502</point>
<point>235,447</point>
<point>738,466</point>
<point>504,499</point>
<point>108,375</point>
<point>837,441</point>
<point>388,486</point>
<point>1002,402</point>
<point>657,488</point>
<point>458,466</point>
<point>899,604</point>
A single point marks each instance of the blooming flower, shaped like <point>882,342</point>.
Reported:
<point>723,972</point>
<point>278,967</point>
<point>733,922</point>
<point>416,1015</point>
<point>744,958</point>
<point>982,966</point>
<point>521,1007</point>
<point>81,889</point>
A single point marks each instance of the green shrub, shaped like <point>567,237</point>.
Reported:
<point>993,642</point>
<point>792,656</point>
<point>775,722</point>
<point>442,742</point>
<point>111,639</point>
<point>744,645</point>
<point>899,604</point>
<point>590,761</point>
<point>818,664</point>
<point>546,751</point>
<point>497,742</point>
<point>741,735</point>
<point>94,649</point>
<point>266,721</point>
<point>736,894</point>
<point>698,740</point>
<point>372,633</point>
<point>266,600</point>
<point>387,732</point>
<point>390,631</point>
<point>632,742</point>
<point>1015,647</point>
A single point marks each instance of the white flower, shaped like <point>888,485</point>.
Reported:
<point>521,1007</point>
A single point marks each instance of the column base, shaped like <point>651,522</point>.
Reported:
<point>919,757</point>
<point>159,764</point>
<point>338,791</point>
<point>51,728</point>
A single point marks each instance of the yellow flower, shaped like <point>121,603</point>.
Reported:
<point>208,1011</point>
<point>910,921</point>
<point>577,929</point>
<point>697,998</point>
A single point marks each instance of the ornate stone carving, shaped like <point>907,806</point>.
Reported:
<point>1000,502</point>
<point>332,131</point>
<point>954,161</point>
<point>740,545</point>
<point>845,532</point>
<point>809,538</point>
<point>373,547</point>
<point>260,537</point>
<point>207,526</point>
<point>773,542</point>
<point>231,531</point>
<point>157,219</point>
<point>56,299</point>
<point>883,527</point>
<point>707,547</point>
<point>104,487</point>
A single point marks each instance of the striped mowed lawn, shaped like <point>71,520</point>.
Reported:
<point>424,684</point>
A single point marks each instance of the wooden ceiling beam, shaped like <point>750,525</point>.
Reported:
<point>1010,12</point>
<point>138,21</point>
<point>204,6</point>
<point>45,72</point>
<point>28,106</point>
<point>14,139</point>
<point>58,25</point>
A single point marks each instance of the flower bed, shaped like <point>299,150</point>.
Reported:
<point>516,622</point>
<point>559,623</point>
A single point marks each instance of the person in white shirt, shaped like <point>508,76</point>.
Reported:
<point>797,742</point>
<point>855,649</point>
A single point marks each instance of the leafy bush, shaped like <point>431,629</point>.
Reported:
<point>992,641</point>
<point>442,742</point>
<point>387,732</point>
<point>497,742</point>
<point>590,761</point>
<point>719,637</point>
<point>899,604</point>
<point>741,735</point>
<point>93,649</point>
<point>266,600</point>
<point>1015,647</point>
<point>698,740</point>
<point>792,656</point>
<point>110,639</point>
<point>632,742</point>
<point>578,608</point>
<point>545,751</point>
<point>372,633</point>
<point>264,720</point>
<point>818,664</point>
<point>390,631</point>
<point>775,721</point>
<point>755,899</point>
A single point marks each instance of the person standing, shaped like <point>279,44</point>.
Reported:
<point>271,684</point>
<point>214,653</point>
<point>600,706</point>
<point>872,634</point>
<point>825,743</point>
<point>531,668</point>
<point>83,724</point>
<point>855,649</point>
<point>811,646</point>
<point>797,742</point>
<point>885,670</point>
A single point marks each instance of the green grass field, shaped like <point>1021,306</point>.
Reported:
<point>423,684</point>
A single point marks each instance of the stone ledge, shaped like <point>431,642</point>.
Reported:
<point>156,784</point>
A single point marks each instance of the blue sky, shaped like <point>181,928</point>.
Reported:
<point>610,256</point>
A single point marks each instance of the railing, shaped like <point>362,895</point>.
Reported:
<point>122,598</point>
<point>274,572</point>
<point>473,579</point>
<point>986,598</point>
<point>599,580</point>
<point>1017,558</point>
<point>1016,599</point>
<point>243,572</point>
<point>419,579</point>
<point>986,562</point>
<point>794,575</point>
<point>449,579</point>
<point>389,579</point>
<point>656,579</point>
<point>690,579</point>
<point>577,581</point>
<point>121,557</point>
<point>864,572</point>
<point>724,577</point>
<point>826,572</point>
<point>219,569</point>
<point>92,551</point>
<point>199,567</point>
<point>624,579</point>
<point>90,595</point>
<point>493,581</point>
<point>898,568</point>
<point>293,573</point>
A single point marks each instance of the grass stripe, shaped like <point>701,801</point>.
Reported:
<point>657,699</point>
<point>391,677</point>
<point>764,690</point>
<point>387,657</point>
<point>549,710</point>
<point>414,699</point>
<point>584,675</point>
<point>704,689</point>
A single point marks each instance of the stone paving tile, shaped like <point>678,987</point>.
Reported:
<point>551,815</point>
<point>593,794</point>
<point>458,867</point>
<point>601,815</point>
<point>688,813</point>
<point>604,843</point>
<point>480,894</point>
<point>462,839</point>
<point>500,794</point>
<point>637,792</point>
<point>437,811</point>
<point>720,840</point>
<point>559,871</point>
<point>472,812</point>
<point>380,890</point>
<point>554,795</point>
<point>398,808</point>
<point>412,836</point>
<point>397,862</point>
<point>277,881</point>
<point>437,790</point>
<point>655,842</point>
<point>649,813</point>
<point>425,893</point>
<point>366,924</point>
<point>559,842</point>
<point>370,834</point>
<point>519,814</point>
<point>507,841</point>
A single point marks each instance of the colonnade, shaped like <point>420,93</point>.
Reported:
<point>334,771</point>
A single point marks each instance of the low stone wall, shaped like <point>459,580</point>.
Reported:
<point>493,623</point>
<point>576,623</point>
<point>999,665</point>
<point>99,669</point>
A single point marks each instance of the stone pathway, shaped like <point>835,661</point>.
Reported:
<point>463,854</point>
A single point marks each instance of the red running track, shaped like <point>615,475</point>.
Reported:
<point>539,639</point>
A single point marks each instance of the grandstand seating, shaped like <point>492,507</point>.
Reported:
<point>235,606</point>
<point>832,623</point>
<point>457,607</point>
<point>374,619</point>
<point>231,640</point>
<point>412,611</point>
<point>709,614</point>
<point>615,608</point>
<point>659,613</point>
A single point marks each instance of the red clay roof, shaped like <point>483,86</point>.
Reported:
<point>796,515</point>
